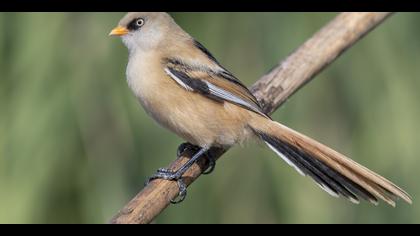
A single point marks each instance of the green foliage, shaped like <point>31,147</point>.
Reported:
<point>75,145</point>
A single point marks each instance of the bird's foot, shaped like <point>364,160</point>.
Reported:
<point>211,163</point>
<point>167,174</point>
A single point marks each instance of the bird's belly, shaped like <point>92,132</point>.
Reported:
<point>194,117</point>
<point>197,119</point>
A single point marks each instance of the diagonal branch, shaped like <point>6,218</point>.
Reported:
<point>272,90</point>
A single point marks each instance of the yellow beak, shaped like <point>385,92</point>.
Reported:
<point>119,31</point>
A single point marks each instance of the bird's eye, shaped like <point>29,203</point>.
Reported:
<point>139,22</point>
<point>135,24</point>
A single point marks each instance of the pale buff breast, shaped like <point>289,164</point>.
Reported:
<point>195,118</point>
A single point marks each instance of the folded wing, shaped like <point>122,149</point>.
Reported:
<point>218,85</point>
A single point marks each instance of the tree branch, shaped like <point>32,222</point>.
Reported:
<point>272,90</point>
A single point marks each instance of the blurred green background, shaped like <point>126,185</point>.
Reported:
<point>75,146</point>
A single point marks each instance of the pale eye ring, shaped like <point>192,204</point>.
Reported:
<point>139,22</point>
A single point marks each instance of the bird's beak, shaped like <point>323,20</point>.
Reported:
<point>119,31</point>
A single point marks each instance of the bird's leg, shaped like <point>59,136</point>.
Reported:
<point>188,146</point>
<point>177,175</point>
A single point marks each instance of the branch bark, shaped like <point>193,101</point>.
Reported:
<point>272,90</point>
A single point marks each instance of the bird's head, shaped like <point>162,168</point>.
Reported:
<point>145,30</point>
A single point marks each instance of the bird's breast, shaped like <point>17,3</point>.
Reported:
<point>194,117</point>
<point>144,78</point>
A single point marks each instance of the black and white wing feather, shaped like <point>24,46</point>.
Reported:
<point>218,85</point>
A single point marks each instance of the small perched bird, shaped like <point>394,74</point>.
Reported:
<point>186,90</point>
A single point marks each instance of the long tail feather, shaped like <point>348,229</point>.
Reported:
<point>332,171</point>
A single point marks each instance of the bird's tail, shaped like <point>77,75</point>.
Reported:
<point>332,171</point>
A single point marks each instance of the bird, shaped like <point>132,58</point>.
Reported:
<point>183,87</point>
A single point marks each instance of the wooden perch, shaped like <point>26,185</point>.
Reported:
<point>271,90</point>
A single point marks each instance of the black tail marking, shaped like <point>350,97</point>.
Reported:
<point>328,178</point>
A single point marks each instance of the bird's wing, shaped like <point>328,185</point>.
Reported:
<point>219,85</point>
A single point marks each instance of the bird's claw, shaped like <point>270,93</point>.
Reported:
<point>167,174</point>
<point>211,163</point>
<point>182,192</point>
